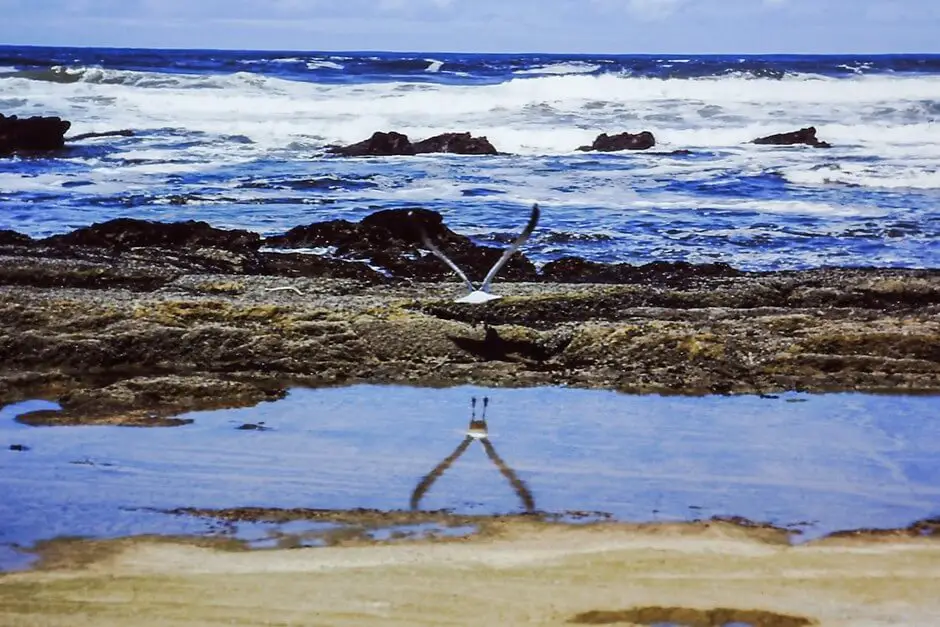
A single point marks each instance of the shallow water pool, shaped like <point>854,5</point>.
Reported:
<point>812,463</point>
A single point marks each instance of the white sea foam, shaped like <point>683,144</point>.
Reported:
<point>794,207</point>
<point>924,177</point>
<point>320,64</point>
<point>434,65</point>
<point>548,114</point>
<point>65,69</point>
<point>571,67</point>
<point>893,119</point>
<point>318,251</point>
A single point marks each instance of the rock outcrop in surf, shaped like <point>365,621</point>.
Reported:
<point>389,239</point>
<point>457,143</point>
<point>128,233</point>
<point>126,132</point>
<point>379,145</point>
<point>385,246</point>
<point>803,136</point>
<point>392,143</point>
<point>622,141</point>
<point>36,134</point>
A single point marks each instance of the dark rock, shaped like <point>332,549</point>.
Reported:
<point>391,231</point>
<point>379,145</point>
<point>392,143</point>
<point>251,426</point>
<point>624,141</point>
<point>12,238</point>
<point>106,273</point>
<point>457,143</point>
<point>316,235</point>
<point>151,254</point>
<point>304,265</point>
<point>402,226</point>
<point>22,448</point>
<point>803,136</point>
<point>578,270</point>
<point>31,135</point>
<point>124,233</point>
<point>389,239</point>
<point>122,133</point>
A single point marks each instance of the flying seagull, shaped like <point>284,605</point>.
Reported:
<point>482,295</point>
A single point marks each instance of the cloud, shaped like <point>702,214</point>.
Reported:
<point>590,26</point>
<point>647,10</point>
<point>654,9</point>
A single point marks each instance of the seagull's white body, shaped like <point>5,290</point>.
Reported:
<point>478,433</point>
<point>483,294</point>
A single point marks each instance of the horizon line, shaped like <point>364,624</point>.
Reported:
<point>466,52</point>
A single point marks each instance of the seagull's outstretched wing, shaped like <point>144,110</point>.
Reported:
<point>526,232</point>
<point>437,252</point>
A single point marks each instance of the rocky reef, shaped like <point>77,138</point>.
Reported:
<point>643,140</point>
<point>133,322</point>
<point>803,136</point>
<point>36,134</point>
<point>382,144</point>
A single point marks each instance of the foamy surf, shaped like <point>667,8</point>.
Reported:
<point>560,69</point>
<point>925,177</point>
<point>205,139</point>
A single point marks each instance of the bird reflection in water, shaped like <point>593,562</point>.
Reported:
<point>477,431</point>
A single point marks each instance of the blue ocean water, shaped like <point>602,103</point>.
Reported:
<point>237,138</point>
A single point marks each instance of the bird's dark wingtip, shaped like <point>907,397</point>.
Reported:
<point>533,218</point>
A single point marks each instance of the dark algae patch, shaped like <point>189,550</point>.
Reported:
<point>687,617</point>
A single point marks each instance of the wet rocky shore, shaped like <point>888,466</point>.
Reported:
<point>133,322</point>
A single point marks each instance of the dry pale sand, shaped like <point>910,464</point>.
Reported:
<point>523,574</point>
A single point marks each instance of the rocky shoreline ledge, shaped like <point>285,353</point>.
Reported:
<point>132,322</point>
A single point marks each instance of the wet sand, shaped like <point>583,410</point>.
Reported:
<point>521,573</point>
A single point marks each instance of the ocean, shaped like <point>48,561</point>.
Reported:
<point>237,138</point>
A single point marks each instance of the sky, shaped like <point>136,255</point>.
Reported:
<point>563,26</point>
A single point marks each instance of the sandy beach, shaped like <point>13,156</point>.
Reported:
<point>518,574</point>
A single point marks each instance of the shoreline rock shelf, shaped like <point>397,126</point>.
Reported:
<point>104,320</point>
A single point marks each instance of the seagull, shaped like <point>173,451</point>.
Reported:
<point>478,429</point>
<point>481,295</point>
